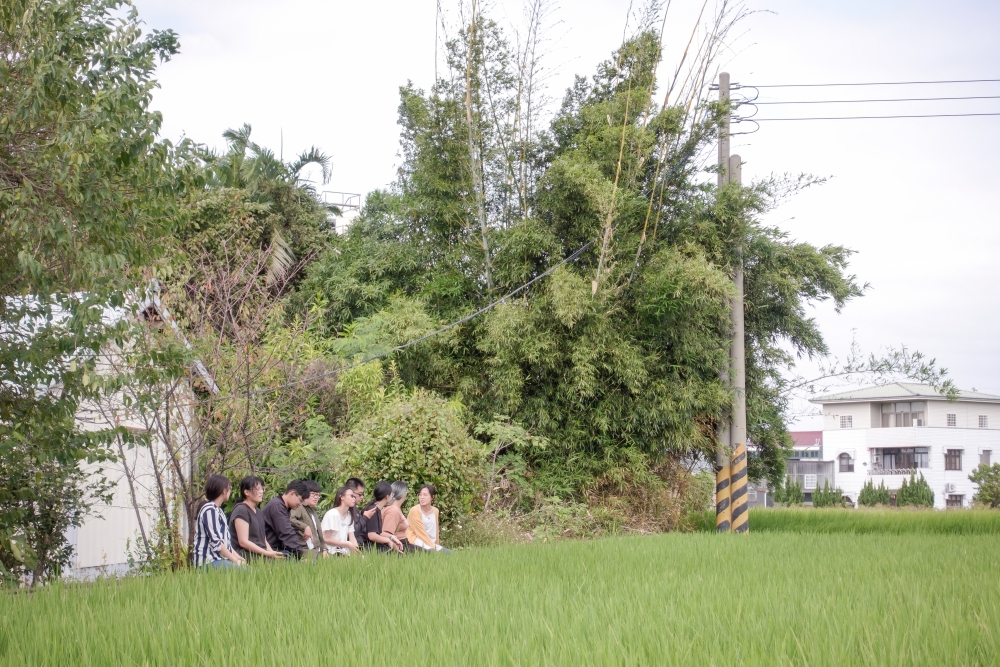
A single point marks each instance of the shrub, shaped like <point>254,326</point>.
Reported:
<point>417,439</point>
<point>916,493</point>
<point>828,497</point>
<point>789,494</point>
<point>988,479</point>
<point>870,496</point>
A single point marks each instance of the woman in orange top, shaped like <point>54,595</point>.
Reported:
<point>424,531</point>
<point>393,521</point>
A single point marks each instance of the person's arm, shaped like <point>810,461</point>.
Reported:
<point>391,526</point>
<point>219,536</point>
<point>243,539</point>
<point>283,528</point>
<point>231,556</point>
<point>300,522</point>
<point>350,544</point>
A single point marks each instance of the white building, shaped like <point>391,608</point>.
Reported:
<point>886,433</point>
<point>143,478</point>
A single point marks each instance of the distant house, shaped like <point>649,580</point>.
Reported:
<point>886,433</point>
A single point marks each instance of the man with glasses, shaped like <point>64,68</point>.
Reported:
<point>278,528</point>
<point>360,531</point>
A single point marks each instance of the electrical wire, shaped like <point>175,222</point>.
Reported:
<point>895,99</point>
<point>929,115</point>
<point>313,378</point>
<point>398,348</point>
<point>882,83</point>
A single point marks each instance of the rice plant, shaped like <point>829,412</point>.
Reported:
<point>776,598</point>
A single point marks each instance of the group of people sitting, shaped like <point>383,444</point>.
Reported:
<point>289,527</point>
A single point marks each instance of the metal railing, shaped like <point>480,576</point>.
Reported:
<point>342,200</point>
<point>893,471</point>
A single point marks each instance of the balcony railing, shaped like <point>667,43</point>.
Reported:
<point>892,471</point>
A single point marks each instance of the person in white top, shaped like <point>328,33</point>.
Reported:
<point>338,524</point>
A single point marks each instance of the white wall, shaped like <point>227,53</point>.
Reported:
<point>859,444</point>
<point>966,413</point>
<point>861,414</point>
<point>103,541</point>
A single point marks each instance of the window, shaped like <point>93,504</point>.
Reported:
<point>984,457</point>
<point>984,421</point>
<point>902,414</point>
<point>900,459</point>
<point>846,421</point>
<point>752,494</point>
<point>955,500</point>
<point>952,420</point>
<point>808,482</point>
<point>846,463</point>
<point>953,459</point>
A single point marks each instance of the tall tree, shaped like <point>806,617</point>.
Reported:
<point>86,191</point>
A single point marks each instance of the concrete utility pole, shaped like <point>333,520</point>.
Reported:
<point>731,456</point>
<point>723,512</point>
<point>737,354</point>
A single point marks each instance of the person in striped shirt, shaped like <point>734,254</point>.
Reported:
<point>211,533</point>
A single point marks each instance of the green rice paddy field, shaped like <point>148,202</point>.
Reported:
<point>920,592</point>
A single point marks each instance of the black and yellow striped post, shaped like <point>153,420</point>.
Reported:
<point>723,518</point>
<point>738,490</point>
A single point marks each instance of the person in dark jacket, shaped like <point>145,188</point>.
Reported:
<point>306,522</point>
<point>277,519</point>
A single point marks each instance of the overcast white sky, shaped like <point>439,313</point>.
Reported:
<point>916,198</point>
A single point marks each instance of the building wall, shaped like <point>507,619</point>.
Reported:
<point>859,443</point>
<point>110,532</point>
<point>860,413</point>
<point>966,414</point>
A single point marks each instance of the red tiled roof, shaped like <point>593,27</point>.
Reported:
<point>806,438</point>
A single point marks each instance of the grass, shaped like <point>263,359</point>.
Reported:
<point>876,521</point>
<point>677,599</point>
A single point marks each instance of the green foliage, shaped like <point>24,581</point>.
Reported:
<point>88,193</point>
<point>632,367</point>
<point>789,493</point>
<point>987,478</point>
<point>916,493</point>
<point>60,496</point>
<point>417,439</point>
<point>870,496</point>
<point>827,497</point>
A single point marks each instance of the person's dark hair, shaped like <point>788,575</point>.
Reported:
<point>215,486</point>
<point>299,487</point>
<point>431,489</point>
<point>354,484</point>
<point>249,483</point>
<point>313,486</point>
<point>338,497</point>
<point>381,491</point>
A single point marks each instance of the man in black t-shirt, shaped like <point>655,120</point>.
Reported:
<point>246,525</point>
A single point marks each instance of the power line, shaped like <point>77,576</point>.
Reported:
<point>398,348</point>
<point>894,99</point>
<point>929,115</point>
<point>313,378</point>
<point>877,83</point>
